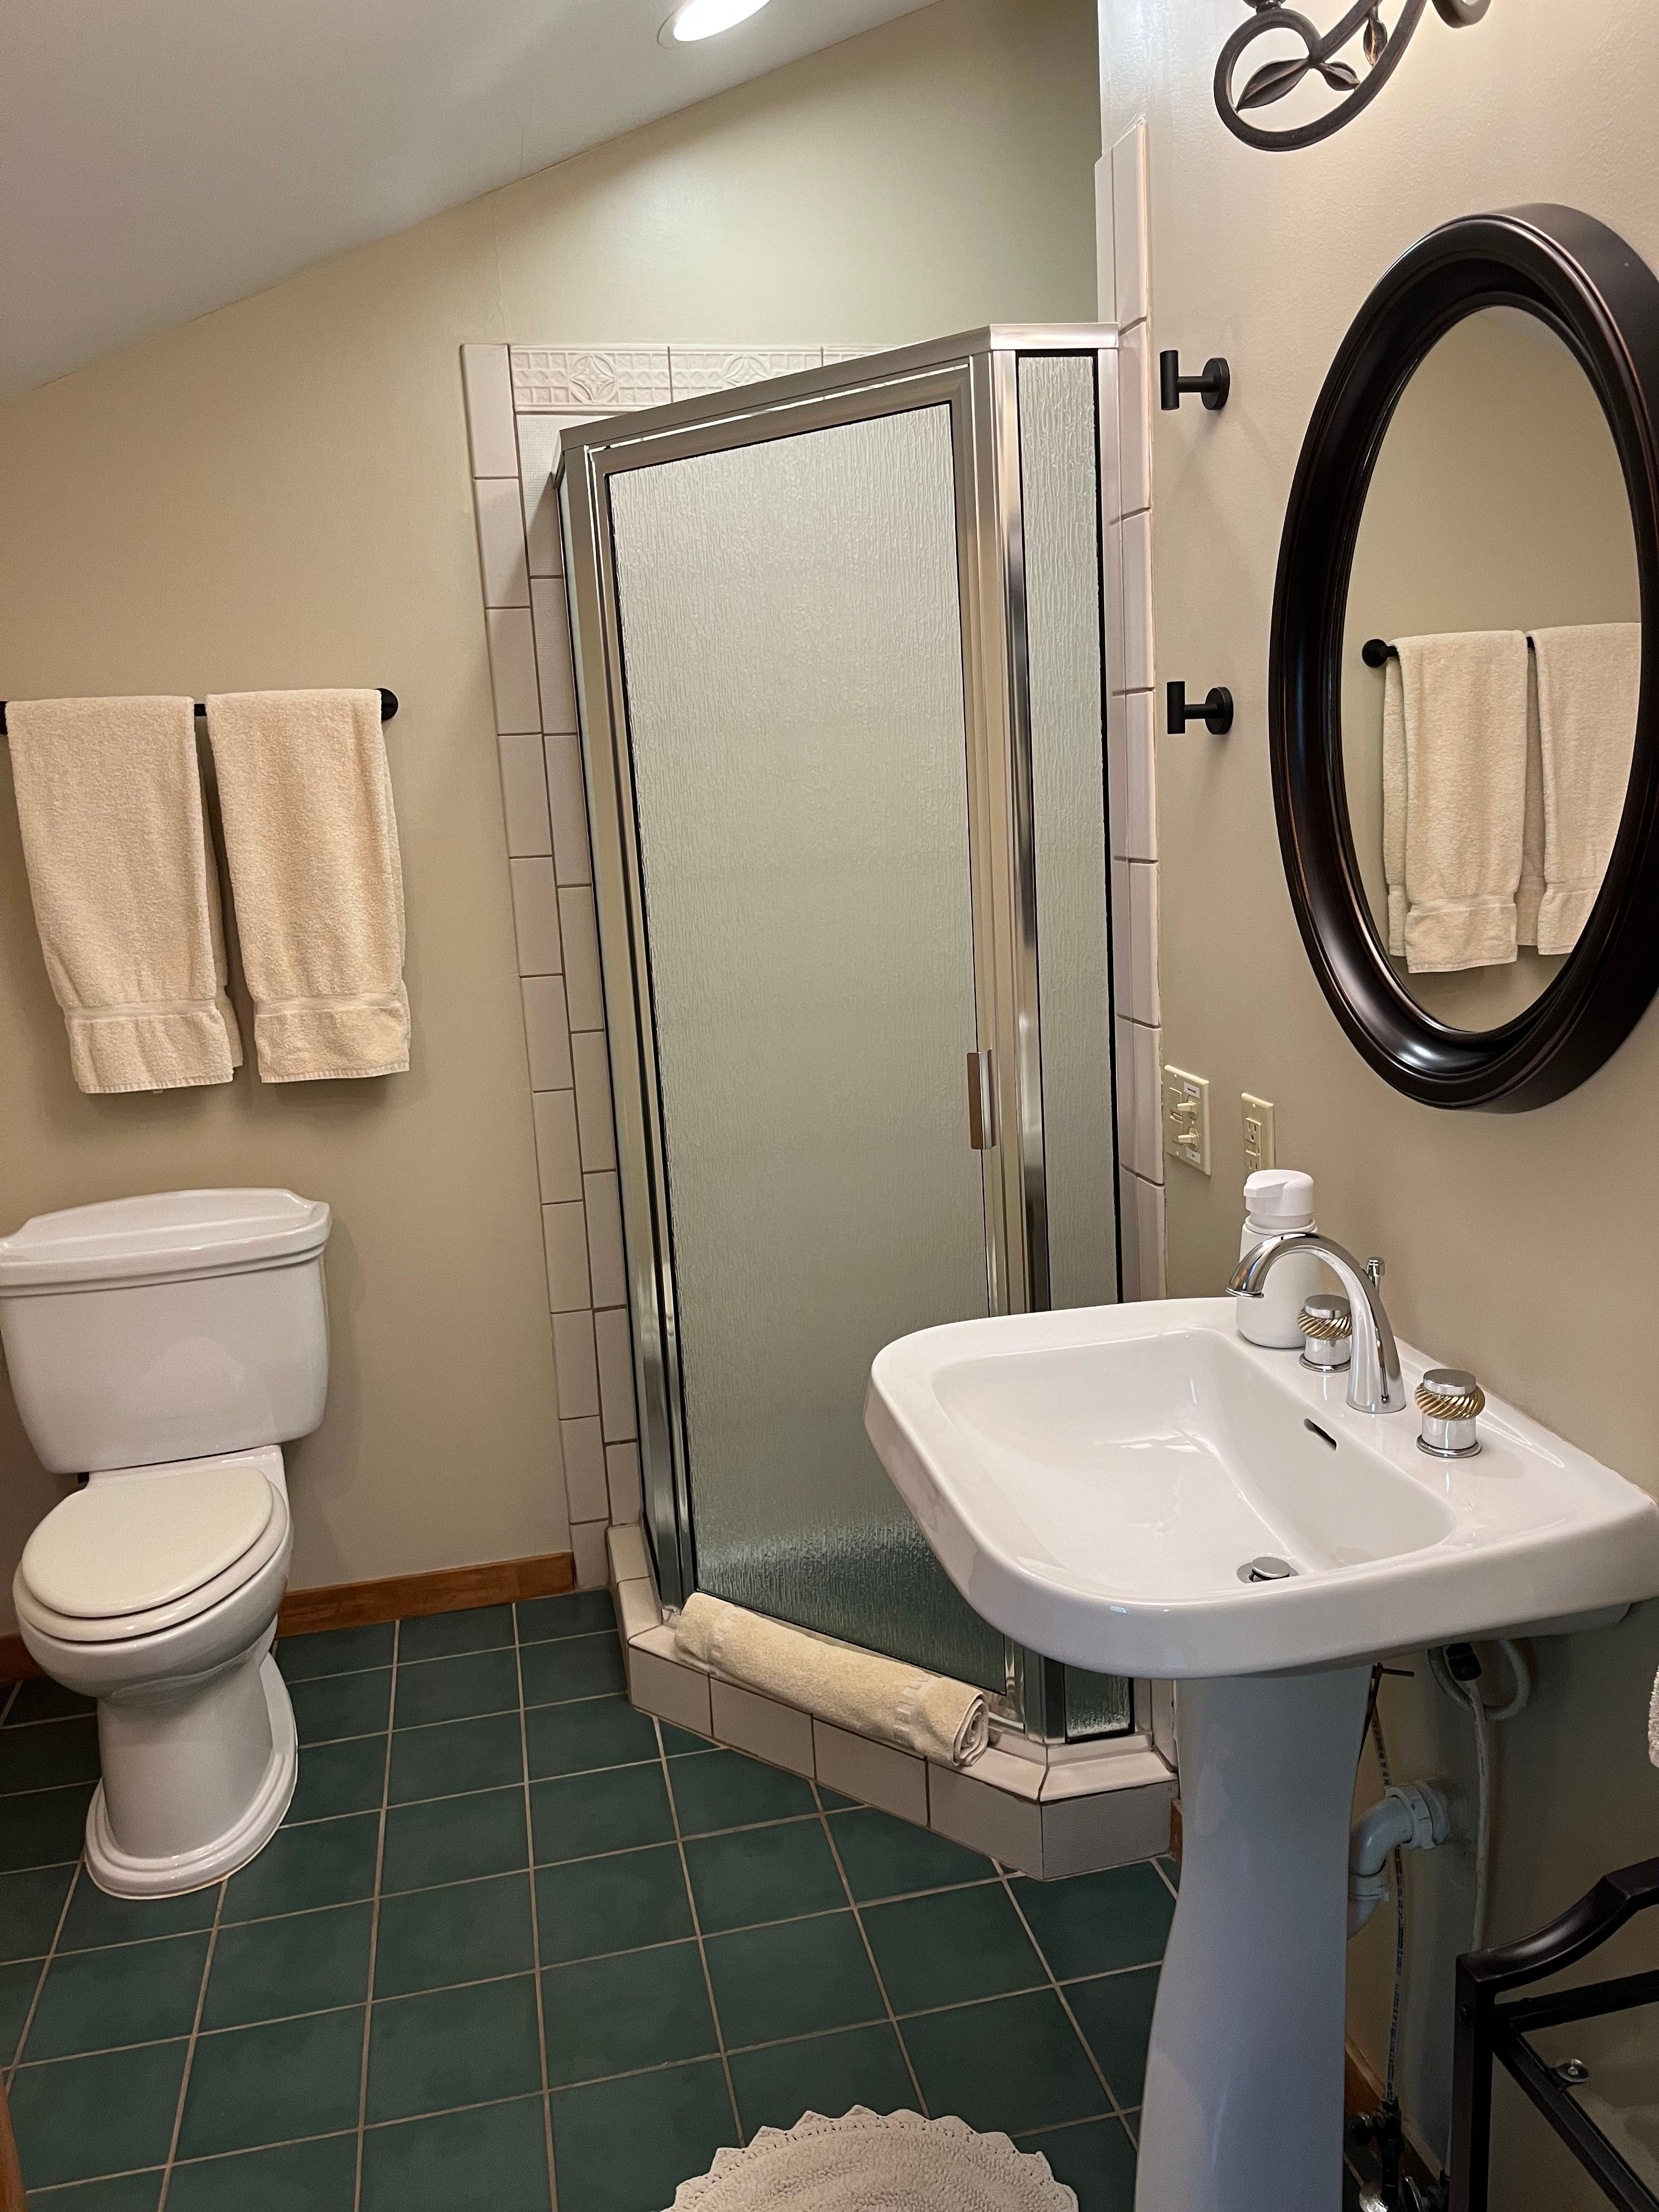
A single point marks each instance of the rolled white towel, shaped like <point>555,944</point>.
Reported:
<point>937,1719</point>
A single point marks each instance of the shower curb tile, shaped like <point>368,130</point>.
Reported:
<point>873,1773</point>
<point>667,1687</point>
<point>761,1726</point>
<point>987,1817</point>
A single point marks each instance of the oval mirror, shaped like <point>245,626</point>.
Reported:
<point>1464,746</point>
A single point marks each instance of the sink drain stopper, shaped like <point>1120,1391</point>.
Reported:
<point>864,2162</point>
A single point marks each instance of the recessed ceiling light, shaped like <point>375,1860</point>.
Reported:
<point>703,19</point>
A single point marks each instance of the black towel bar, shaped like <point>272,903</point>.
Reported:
<point>388,707</point>
<point>1376,650</point>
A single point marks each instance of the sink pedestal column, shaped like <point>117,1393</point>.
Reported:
<point>1242,2110</point>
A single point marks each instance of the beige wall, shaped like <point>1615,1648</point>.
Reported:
<point>1519,1245</point>
<point>279,495</point>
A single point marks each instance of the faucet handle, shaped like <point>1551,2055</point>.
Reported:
<point>1327,1325</point>
<point>1449,1398</point>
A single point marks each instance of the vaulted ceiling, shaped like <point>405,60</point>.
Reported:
<point>159,158</point>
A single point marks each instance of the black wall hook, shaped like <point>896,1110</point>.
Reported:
<point>1216,712</point>
<point>1212,387</point>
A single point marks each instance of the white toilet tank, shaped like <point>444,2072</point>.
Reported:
<point>167,1328</point>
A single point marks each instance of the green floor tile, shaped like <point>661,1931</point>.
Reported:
<point>588,1906</point>
<point>457,1689</point>
<point>581,1738</point>
<point>454,1839</point>
<point>43,1828</point>
<point>944,1949</point>
<point>614,2015</point>
<point>335,1651</point>
<point>575,1667</point>
<point>753,1874</point>
<point>578,1614</point>
<point>446,1635</point>
<point>31,1906</point>
<point>251,2086</point>
<point>728,1790</point>
<point>48,1755</point>
<point>320,2176</point>
<point>794,1979</point>
<point>95,1919</point>
<point>1010,2066</point>
<point>495,2157</point>
<point>1097,2160</point>
<point>626,2146</point>
<point>467,1931</point>
<point>339,1777</point>
<point>324,1863</point>
<point>449,2047</point>
<point>80,2117</point>
<point>18,1983</point>
<point>124,2192</point>
<point>40,1698</point>
<point>1097,1923</point>
<point>139,1993</point>
<point>1115,2015</point>
<point>885,1857</point>
<point>449,1756</point>
<point>1171,1870</point>
<point>335,1706</point>
<point>680,1743</point>
<point>827,2073</point>
<point>832,1801</point>
<point>304,1962</point>
<point>576,1815</point>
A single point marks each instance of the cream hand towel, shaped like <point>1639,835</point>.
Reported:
<point>1393,802</point>
<point>937,1719</point>
<point>1588,680</point>
<point>312,839</point>
<point>126,899</point>
<point>1529,895</point>
<point>1464,699</point>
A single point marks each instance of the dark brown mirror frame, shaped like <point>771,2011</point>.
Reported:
<point>1602,299</point>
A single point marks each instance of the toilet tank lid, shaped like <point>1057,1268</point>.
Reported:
<point>167,1233</point>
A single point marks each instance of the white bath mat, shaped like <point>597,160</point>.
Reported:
<point>867,2163</point>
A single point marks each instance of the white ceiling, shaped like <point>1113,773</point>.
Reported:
<point>159,158</point>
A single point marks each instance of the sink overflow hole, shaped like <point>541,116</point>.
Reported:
<point>1323,1435</point>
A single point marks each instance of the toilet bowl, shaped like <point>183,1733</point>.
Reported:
<point>197,1317</point>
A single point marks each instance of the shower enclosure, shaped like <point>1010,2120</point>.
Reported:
<point>840,667</point>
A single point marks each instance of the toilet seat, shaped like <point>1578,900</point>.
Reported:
<point>135,1554</point>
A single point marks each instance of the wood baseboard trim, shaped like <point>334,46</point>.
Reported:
<point>445,1590</point>
<point>15,1665</point>
<point>1362,2092</point>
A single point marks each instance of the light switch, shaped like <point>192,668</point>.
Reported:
<point>1186,1118</point>
<point>1258,1143</point>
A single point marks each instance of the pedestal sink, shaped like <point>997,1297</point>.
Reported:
<point>1097,1484</point>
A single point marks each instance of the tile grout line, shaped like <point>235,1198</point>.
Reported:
<point>374,1920</point>
<point>9,2070</point>
<point>869,1953</point>
<point>535,1915</point>
<point>189,2047</point>
<point>1171,1886</point>
<point>11,1697</point>
<point>696,1930</point>
<point>1065,2004</point>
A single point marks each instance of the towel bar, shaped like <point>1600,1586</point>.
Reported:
<point>388,707</point>
<point>1376,650</point>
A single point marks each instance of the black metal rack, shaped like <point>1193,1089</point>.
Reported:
<point>1489,2029</point>
<point>388,707</point>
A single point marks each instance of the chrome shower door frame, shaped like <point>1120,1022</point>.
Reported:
<point>975,375</point>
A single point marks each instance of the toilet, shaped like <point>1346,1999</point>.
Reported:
<point>166,1347</point>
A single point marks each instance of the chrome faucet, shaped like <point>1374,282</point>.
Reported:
<point>1374,1380</point>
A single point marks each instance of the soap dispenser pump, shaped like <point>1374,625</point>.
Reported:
<point>1278,1200</point>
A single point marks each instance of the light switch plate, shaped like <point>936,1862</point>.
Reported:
<point>1260,1148</point>
<point>1186,1118</point>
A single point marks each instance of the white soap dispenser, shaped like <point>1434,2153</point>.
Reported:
<point>1276,1202</point>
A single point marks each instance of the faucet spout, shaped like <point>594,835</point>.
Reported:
<point>1375,1385</point>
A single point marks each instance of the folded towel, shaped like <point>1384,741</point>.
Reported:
<point>1454,797</point>
<point>1529,894</point>
<point>306,797</point>
<point>126,898</point>
<point>940,1720</point>
<point>1588,680</point>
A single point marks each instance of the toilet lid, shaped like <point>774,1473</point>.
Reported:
<point>125,1546</point>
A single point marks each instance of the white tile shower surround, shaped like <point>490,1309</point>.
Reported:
<point>518,400</point>
<point>1078,1810</point>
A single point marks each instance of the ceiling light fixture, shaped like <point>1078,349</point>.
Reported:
<point>703,19</point>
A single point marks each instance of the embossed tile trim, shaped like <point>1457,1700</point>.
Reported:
<point>562,379</point>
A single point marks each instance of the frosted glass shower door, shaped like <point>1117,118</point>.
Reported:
<point>791,648</point>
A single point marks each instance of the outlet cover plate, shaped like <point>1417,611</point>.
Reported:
<point>1260,1150</point>
<point>1186,1118</point>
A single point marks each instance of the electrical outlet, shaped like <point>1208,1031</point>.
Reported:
<point>1186,1118</point>
<point>1259,1149</point>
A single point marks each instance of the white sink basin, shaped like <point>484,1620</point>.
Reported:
<point>1093,1481</point>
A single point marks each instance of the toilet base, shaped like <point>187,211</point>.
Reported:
<point>121,1874</point>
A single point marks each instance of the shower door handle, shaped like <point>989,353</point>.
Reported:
<point>982,1103</point>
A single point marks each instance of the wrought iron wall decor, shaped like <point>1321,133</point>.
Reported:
<point>1322,56</point>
